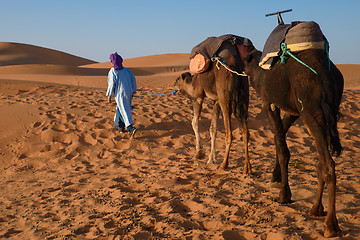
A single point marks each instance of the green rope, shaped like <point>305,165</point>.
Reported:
<point>286,51</point>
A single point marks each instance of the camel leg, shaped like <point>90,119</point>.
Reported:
<point>225,108</point>
<point>245,133</point>
<point>197,106</point>
<point>282,151</point>
<point>318,207</point>
<point>287,121</point>
<point>213,126</point>
<point>326,175</point>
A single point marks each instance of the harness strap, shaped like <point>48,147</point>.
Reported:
<point>218,60</point>
<point>286,51</point>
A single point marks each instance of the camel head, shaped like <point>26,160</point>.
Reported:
<point>251,65</point>
<point>251,62</point>
<point>183,83</point>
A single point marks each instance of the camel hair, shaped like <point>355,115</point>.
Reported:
<point>298,92</point>
<point>229,92</point>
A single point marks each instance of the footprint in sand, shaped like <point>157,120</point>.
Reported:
<point>87,139</point>
<point>37,124</point>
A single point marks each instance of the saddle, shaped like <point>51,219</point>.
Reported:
<point>202,53</point>
<point>298,36</point>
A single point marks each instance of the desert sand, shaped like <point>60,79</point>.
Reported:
<point>67,173</point>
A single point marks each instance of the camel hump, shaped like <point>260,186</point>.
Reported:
<point>298,36</point>
<point>223,46</point>
<point>303,36</point>
<point>210,46</point>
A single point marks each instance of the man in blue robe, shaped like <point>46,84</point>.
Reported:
<point>121,84</point>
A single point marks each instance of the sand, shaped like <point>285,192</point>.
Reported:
<point>66,173</point>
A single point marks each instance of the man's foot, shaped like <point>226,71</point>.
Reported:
<point>121,129</point>
<point>132,132</point>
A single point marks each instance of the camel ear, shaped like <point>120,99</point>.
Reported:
<point>183,75</point>
<point>186,77</point>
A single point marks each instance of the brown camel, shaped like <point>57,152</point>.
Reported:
<point>299,92</point>
<point>229,92</point>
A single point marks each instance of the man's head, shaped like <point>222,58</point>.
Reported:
<point>116,60</point>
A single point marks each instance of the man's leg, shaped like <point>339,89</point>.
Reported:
<point>121,124</point>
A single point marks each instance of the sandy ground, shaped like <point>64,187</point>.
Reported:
<point>66,173</point>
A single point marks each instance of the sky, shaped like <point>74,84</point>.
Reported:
<point>93,29</point>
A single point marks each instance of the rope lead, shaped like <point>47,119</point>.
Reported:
<point>157,94</point>
<point>218,60</point>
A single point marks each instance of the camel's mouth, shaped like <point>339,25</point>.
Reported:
<point>177,85</point>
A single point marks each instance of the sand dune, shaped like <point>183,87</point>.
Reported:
<point>50,69</point>
<point>351,73</point>
<point>160,60</point>
<point>17,53</point>
<point>66,173</point>
<point>17,60</point>
<point>175,59</point>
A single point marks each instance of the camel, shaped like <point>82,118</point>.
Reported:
<point>229,92</point>
<point>295,90</point>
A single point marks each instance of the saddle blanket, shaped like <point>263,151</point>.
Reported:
<point>202,53</point>
<point>298,36</point>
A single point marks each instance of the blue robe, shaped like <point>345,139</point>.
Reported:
<point>122,84</point>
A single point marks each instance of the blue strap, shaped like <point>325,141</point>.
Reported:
<point>156,94</point>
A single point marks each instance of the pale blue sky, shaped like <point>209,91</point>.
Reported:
<point>93,29</point>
